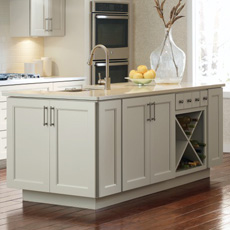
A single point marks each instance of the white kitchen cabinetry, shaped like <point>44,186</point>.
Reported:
<point>3,145</point>
<point>37,18</point>
<point>54,146</point>
<point>162,140</point>
<point>29,158</point>
<point>109,147</point>
<point>148,144</point>
<point>215,127</point>
<point>3,109</point>
<point>72,148</point>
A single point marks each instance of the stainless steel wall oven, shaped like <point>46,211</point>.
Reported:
<point>110,27</point>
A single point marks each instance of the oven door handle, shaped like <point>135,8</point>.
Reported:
<point>112,17</point>
<point>111,64</point>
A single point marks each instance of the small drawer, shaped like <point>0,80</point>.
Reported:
<point>179,101</point>
<point>196,99</point>
<point>204,98</point>
<point>3,115</point>
<point>191,100</point>
<point>3,145</point>
<point>188,100</point>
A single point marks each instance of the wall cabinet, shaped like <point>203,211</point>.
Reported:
<point>148,144</point>
<point>37,18</point>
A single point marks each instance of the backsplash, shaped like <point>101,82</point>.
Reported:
<point>15,51</point>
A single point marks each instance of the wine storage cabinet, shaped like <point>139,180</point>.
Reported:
<point>191,141</point>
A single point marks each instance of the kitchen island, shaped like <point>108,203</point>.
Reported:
<point>96,148</point>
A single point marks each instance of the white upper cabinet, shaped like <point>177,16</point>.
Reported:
<point>38,18</point>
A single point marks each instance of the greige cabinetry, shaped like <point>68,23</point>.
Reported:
<point>3,108</point>
<point>51,146</point>
<point>37,18</point>
<point>109,147</point>
<point>215,127</point>
<point>58,139</point>
<point>148,140</point>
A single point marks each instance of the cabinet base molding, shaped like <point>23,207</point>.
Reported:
<point>97,203</point>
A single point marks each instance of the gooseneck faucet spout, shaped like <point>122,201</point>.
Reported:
<point>90,62</point>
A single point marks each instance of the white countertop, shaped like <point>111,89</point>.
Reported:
<point>118,91</point>
<point>40,80</point>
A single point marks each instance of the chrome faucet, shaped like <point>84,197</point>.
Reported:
<point>90,62</point>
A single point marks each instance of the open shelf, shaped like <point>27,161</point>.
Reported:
<point>190,138</point>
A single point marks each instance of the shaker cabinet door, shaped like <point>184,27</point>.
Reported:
<point>47,18</point>
<point>28,144</point>
<point>136,137</point>
<point>162,140</point>
<point>72,148</point>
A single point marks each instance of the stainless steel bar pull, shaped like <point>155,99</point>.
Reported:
<point>149,105</point>
<point>52,116</point>
<point>45,116</point>
<point>154,111</point>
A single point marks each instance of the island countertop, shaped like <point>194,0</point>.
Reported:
<point>118,91</point>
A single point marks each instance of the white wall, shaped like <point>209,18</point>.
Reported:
<point>15,51</point>
<point>68,53</point>
<point>149,30</point>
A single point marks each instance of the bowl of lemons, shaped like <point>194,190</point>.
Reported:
<point>142,76</point>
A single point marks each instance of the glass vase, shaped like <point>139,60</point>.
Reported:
<point>168,61</point>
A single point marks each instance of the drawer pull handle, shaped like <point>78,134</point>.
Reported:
<point>205,98</point>
<point>154,112</point>
<point>52,116</point>
<point>45,116</point>
<point>181,101</point>
<point>150,115</point>
<point>189,100</point>
<point>197,99</point>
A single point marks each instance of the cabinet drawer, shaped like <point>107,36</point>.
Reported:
<point>2,115</point>
<point>191,100</point>
<point>3,145</point>
<point>188,100</point>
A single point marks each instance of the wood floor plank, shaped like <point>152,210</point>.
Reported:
<point>201,205</point>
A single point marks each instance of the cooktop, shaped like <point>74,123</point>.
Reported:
<point>17,76</point>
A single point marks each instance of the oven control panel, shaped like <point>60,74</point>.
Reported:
<point>111,7</point>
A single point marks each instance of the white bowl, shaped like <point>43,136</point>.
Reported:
<point>141,81</point>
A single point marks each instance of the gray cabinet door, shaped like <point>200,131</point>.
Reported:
<point>28,144</point>
<point>73,148</point>
<point>215,127</point>
<point>136,137</point>
<point>109,148</point>
<point>162,138</point>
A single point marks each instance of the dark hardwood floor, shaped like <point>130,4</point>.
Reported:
<point>200,205</point>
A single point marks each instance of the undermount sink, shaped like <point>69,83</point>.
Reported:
<point>74,90</point>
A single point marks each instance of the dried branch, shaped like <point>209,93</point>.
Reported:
<point>174,16</point>
<point>174,13</point>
